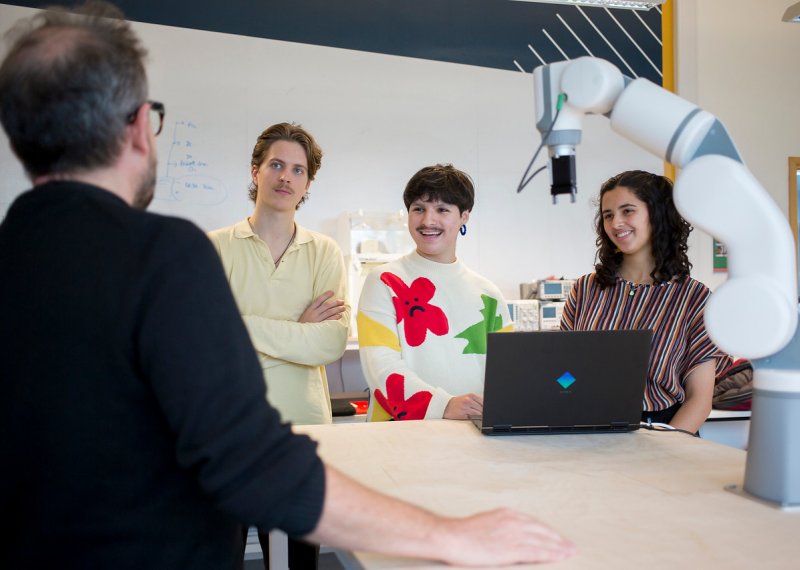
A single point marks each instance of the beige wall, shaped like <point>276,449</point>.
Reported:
<point>738,60</point>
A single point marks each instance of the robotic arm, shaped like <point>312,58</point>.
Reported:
<point>755,313</point>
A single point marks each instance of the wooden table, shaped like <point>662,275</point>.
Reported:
<point>641,500</point>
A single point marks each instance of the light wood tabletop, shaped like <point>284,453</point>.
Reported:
<point>644,500</point>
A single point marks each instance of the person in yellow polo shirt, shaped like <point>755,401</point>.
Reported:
<point>289,282</point>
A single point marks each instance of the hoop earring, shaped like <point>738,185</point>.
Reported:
<point>463,230</point>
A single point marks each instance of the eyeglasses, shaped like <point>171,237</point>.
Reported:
<point>157,112</point>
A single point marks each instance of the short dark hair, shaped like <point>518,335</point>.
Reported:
<point>669,232</point>
<point>286,132</point>
<point>441,182</point>
<point>69,83</point>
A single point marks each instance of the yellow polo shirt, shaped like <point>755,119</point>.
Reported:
<point>271,299</point>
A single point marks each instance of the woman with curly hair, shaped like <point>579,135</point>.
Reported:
<point>641,281</point>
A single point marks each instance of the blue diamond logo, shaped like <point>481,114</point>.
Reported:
<point>566,380</point>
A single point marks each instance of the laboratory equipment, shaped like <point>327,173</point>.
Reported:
<point>368,240</point>
<point>550,315</point>
<point>554,289</point>
<point>525,314</point>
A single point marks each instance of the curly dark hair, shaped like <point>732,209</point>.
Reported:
<point>441,182</point>
<point>668,230</point>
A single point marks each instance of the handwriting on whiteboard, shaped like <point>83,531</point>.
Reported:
<point>188,174</point>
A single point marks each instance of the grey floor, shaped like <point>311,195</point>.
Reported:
<point>254,561</point>
<point>327,561</point>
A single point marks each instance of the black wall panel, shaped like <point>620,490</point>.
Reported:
<point>502,34</point>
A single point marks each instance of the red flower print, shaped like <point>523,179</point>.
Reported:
<point>395,403</point>
<point>411,305</point>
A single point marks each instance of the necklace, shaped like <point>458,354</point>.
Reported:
<point>285,249</point>
<point>633,286</point>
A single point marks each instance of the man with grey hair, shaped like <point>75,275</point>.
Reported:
<point>133,425</point>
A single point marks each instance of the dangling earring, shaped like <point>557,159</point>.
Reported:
<point>463,230</point>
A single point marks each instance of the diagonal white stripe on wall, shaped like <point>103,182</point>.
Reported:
<point>627,38</point>
<point>636,45</point>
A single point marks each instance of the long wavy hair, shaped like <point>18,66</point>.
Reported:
<point>668,230</point>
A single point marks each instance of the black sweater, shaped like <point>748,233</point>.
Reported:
<point>134,431</point>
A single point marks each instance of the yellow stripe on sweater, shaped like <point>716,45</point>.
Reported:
<point>372,333</point>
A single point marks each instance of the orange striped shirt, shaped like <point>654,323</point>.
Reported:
<point>672,310</point>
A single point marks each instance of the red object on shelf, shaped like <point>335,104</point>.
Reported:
<point>361,406</point>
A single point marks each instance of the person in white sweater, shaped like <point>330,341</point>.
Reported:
<point>423,319</point>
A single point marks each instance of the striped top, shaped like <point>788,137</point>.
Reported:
<point>672,310</point>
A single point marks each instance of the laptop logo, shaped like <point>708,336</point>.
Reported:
<point>566,380</point>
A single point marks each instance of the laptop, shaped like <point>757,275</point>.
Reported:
<point>564,382</point>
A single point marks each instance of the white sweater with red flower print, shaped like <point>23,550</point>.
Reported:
<point>422,329</point>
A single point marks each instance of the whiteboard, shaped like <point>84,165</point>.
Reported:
<point>379,118</point>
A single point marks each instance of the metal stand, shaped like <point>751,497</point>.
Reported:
<point>773,457</point>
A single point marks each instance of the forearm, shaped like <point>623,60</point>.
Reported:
<point>357,518</point>
<point>354,517</point>
<point>691,415</point>
<point>699,392</point>
<point>310,344</point>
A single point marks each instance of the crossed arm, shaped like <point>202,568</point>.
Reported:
<point>319,334</point>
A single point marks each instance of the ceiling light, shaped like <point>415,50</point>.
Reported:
<point>630,4</point>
